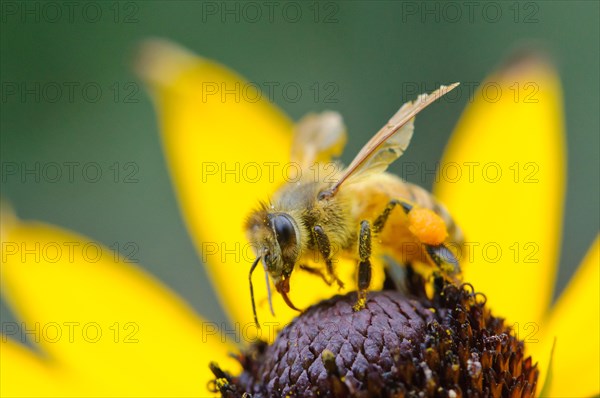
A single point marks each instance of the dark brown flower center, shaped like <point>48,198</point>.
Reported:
<point>400,345</point>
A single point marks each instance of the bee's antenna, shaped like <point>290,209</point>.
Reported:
<point>254,264</point>
<point>268,288</point>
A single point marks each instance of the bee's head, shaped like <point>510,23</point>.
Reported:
<point>275,237</point>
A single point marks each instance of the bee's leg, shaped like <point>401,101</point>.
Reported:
<point>222,382</point>
<point>338,387</point>
<point>443,258</point>
<point>380,221</point>
<point>440,254</point>
<point>364,267</point>
<point>415,282</point>
<point>389,283</point>
<point>317,272</point>
<point>325,250</point>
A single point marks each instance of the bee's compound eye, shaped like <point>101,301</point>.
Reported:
<point>285,232</point>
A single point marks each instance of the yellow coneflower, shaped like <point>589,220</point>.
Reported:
<point>124,334</point>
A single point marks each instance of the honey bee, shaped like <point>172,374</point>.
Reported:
<point>309,218</point>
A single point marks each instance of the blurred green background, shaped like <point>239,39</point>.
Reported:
<point>358,54</point>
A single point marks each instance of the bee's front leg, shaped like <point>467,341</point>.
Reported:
<point>364,267</point>
<point>325,249</point>
<point>316,272</point>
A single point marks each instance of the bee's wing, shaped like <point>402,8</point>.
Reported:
<point>318,138</point>
<point>390,142</point>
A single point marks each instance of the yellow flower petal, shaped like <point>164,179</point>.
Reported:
<point>509,146</point>
<point>227,148</point>
<point>103,327</point>
<point>575,324</point>
<point>18,366</point>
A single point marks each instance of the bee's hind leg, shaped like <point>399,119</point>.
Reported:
<point>325,250</point>
<point>440,254</point>
<point>443,258</point>
<point>380,221</point>
<point>364,267</point>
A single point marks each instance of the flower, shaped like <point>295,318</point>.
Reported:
<point>404,343</point>
<point>102,327</point>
